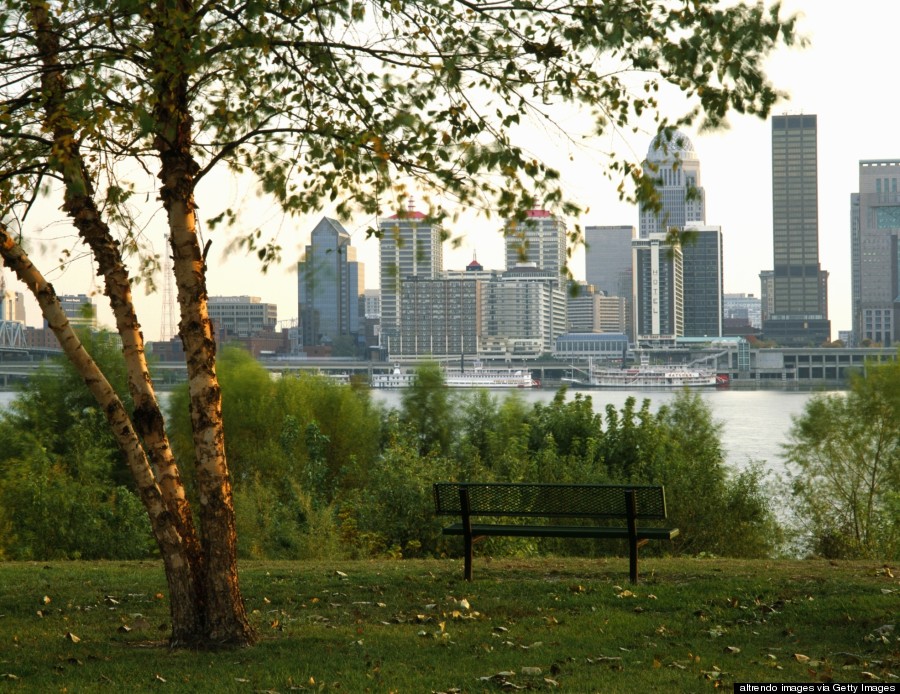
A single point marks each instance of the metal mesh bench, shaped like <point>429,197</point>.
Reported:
<point>554,504</point>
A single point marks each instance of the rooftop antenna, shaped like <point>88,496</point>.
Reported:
<point>167,323</point>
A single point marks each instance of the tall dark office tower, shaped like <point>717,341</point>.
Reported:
<point>703,284</point>
<point>800,315</point>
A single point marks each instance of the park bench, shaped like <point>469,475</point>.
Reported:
<point>558,505</point>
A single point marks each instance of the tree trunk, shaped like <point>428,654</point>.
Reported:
<point>205,601</point>
<point>172,64</point>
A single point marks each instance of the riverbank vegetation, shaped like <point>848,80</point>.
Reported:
<point>320,471</point>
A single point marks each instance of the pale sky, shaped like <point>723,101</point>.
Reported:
<point>847,77</point>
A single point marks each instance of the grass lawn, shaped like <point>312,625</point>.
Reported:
<point>691,625</point>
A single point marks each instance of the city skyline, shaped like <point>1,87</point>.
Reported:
<point>834,79</point>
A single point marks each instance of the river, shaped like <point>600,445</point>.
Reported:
<point>755,423</point>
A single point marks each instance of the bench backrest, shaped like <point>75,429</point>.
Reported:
<point>550,500</point>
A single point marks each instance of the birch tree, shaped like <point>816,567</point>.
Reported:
<point>321,102</point>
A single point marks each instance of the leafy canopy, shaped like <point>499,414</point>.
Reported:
<point>360,102</point>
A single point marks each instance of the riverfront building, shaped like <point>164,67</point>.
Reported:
<point>675,168</point>
<point>658,290</point>
<point>411,245</point>
<point>539,239</point>
<point>874,232</point>
<point>242,316</point>
<point>800,315</point>
<point>523,311</point>
<point>703,283</point>
<point>608,267</point>
<point>439,316</point>
<point>330,282</point>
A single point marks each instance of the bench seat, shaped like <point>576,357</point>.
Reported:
<point>557,505</point>
<point>572,531</point>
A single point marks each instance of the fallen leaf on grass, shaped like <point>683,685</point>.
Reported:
<point>800,658</point>
<point>71,637</point>
<point>160,678</point>
<point>531,671</point>
<point>46,600</point>
<point>869,675</point>
<point>124,629</point>
<point>502,679</point>
<point>604,659</point>
<point>712,674</point>
<point>464,604</point>
<point>732,649</point>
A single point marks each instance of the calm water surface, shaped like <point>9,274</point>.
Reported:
<point>754,422</point>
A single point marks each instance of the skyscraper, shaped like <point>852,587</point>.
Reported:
<point>800,303</point>
<point>703,283</point>
<point>658,289</point>
<point>673,164</point>
<point>411,246</point>
<point>608,265</point>
<point>330,282</point>
<point>539,239</point>
<point>875,252</point>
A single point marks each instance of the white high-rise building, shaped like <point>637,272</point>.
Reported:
<point>522,312</point>
<point>539,239</point>
<point>658,290</point>
<point>411,246</point>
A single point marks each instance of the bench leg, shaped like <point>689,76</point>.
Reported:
<point>630,509</point>
<point>632,560</point>
<point>467,530</point>
<point>467,549</point>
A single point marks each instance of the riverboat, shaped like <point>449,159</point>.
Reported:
<point>653,376</point>
<point>476,377</point>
